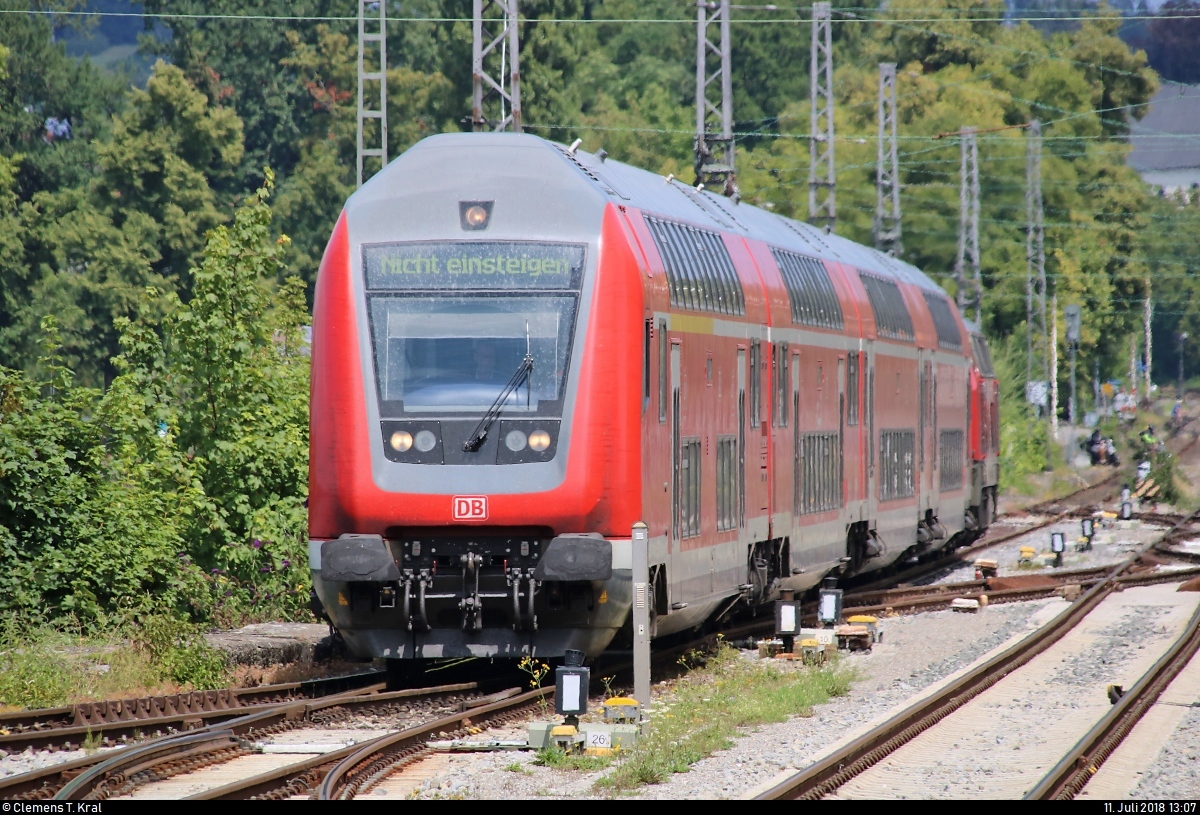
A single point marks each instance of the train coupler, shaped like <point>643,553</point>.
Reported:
<point>523,617</point>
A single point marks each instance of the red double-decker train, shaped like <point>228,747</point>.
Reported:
<point>520,350</point>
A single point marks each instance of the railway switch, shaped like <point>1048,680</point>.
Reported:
<point>622,710</point>
<point>986,568</point>
<point>812,651</point>
<point>869,622</point>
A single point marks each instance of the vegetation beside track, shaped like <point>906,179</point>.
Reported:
<point>178,491</point>
<point>46,666</point>
<point>722,693</point>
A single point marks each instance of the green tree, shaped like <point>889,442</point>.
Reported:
<point>92,250</point>
<point>232,391</point>
<point>86,526</point>
<point>181,487</point>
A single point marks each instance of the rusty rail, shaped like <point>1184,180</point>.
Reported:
<point>380,758</point>
<point>1072,774</point>
<point>118,720</point>
<point>52,781</point>
<point>826,775</point>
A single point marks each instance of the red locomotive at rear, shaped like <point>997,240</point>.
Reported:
<point>520,350</point>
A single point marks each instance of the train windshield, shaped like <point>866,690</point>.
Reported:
<point>451,322</point>
<point>458,353</point>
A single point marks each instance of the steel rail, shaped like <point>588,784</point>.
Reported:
<point>378,759</point>
<point>1072,774</point>
<point>302,776</point>
<point>826,775</point>
<point>124,719</point>
<point>49,781</point>
<point>116,771</point>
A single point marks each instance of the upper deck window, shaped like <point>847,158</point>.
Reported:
<point>983,357</point>
<point>700,273</point>
<point>473,265</point>
<point>813,298</point>
<point>943,321</point>
<point>892,319</point>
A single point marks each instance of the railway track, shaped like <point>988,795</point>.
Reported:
<point>110,722</point>
<point>1069,777</point>
<point>99,775</point>
<point>220,722</point>
<point>833,773</point>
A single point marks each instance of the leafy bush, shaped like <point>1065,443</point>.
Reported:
<point>48,666</point>
<point>1025,444</point>
<point>180,653</point>
<point>181,489</point>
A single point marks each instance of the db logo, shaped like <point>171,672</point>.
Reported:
<point>470,508</point>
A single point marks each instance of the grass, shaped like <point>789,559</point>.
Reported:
<point>558,759</point>
<point>722,694</point>
<point>43,667</point>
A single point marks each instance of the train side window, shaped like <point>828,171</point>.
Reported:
<point>728,487</point>
<point>662,371</point>
<point>700,272</point>
<point>647,340</point>
<point>852,390</point>
<point>713,293</point>
<point>892,319</point>
<point>755,380</point>
<point>690,510</point>
<point>779,366</point>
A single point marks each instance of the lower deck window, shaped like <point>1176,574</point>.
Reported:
<point>896,449</point>
<point>690,477</point>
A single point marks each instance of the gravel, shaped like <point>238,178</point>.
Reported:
<point>29,759</point>
<point>393,717</point>
<point>1111,544</point>
<point>1175,772</point>
<point>915,652</point>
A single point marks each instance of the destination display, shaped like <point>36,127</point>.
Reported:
<point>473,265</point>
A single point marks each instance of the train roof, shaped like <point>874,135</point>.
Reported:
<point>667,197</point>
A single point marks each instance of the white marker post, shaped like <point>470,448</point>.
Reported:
<point>641,615</point>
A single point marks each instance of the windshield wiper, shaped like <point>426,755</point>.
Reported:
<point>481,430</point>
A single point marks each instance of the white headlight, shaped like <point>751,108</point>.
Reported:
<point>426,441</point>
<point>515,441</point>
<point>401,441</point>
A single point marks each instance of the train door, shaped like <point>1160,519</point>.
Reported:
<point>740,509</point>
<point>841,451</point>
<point>869,410</point>
<point>935,481</point>
<point>797,465</point>
<point>921,483</point>
<point>760,431</point>
<point>676,543</point>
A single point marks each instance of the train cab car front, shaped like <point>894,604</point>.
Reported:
<point>464,464</point>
